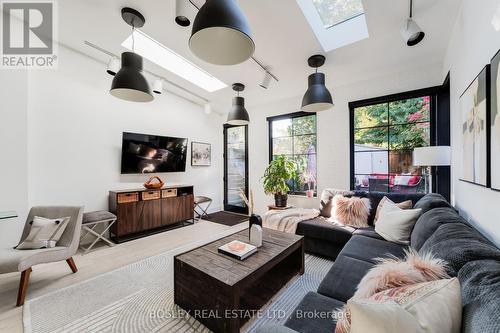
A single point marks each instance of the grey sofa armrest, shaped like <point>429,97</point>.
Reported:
<point>275,329</point>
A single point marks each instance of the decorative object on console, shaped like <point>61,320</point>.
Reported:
<point>403,205</point>
<point>495,122</point>
<point>411,32</point>
<point>238,250</point>
<point>429,157</point>
<point>154,183</point>
<point>238,115</point>
<point>395,224</point>
<point>44,233</point>
<point>129,83</point>
<point>217,22</point>
<point>317,97</point>
<point>277,174</point>
<point>201,154</point>
<point>352,211</point>
<point>256,235</point>
<point>473,107</point>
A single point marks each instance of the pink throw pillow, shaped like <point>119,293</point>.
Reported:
<point>352,211</point>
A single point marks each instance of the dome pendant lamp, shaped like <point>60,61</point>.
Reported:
<point>129,83</point>
<point>238,115</point>
<point>317,97</point>
<point>221,34</point>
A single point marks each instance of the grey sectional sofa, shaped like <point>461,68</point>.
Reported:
<point>471,257</point>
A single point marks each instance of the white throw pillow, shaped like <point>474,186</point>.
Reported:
<point>44,233</point>
<point>395,224</point>
<point>429,307</point>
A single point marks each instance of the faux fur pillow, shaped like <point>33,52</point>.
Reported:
<point>352,211</point>
<point>392,273</point>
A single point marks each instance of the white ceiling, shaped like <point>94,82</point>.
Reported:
<point>284,41</point>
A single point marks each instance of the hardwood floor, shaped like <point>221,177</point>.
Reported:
<point>49,277</point>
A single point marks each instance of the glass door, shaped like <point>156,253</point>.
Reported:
<point>235,168</point>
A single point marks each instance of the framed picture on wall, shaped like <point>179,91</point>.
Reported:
<point>201,154</point>
<point>495,122</point>
<point>474,108</point>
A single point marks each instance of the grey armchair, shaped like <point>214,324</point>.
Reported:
<point>12,260</point>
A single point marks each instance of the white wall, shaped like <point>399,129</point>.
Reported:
<point>475,40</point>
<point>333,129</point>
<point>13,157</point>
<point>74,130</point>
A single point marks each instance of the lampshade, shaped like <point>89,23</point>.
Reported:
<point>317,97</point>
<point>221,33</point>
<point>432,156</point>
<point>238,114</point>
<point>411,32</point>
<point>129,83</point>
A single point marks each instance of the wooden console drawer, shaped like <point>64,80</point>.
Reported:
<point>150,195</point>
<point>168,193</point>
<point>127,197</point>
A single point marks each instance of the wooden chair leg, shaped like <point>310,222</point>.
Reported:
<point>23,286</point>
<point>72,265</point>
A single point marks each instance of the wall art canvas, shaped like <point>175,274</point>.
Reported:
<point>474,107</point>
<point>201,154</point>
<point>495,122</point>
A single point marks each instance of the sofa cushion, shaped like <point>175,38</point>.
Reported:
<point>370,249</point>
<point>314,314</point>
<point>429,222</point>
<point>319,228</point>
<point>343,278</point>
<point>458,243</point>
<point>367,232</point>
<point>376,197</point>
<point>431,201</point>
<point>480,282</point>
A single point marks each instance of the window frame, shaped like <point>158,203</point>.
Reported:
<point>291,116</point>
<point>432,92</point>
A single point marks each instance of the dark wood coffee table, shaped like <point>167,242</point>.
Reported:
<point>223,293</point>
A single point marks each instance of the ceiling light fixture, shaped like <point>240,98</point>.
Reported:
<point>238,115</point>
<point>158,86</point>
<point>113,66</point>
<point>221,34</point>
<point>183,13</point>
<point>161,55</point>
<point>266,81</point>
<point>129,83</point>
<point>411,32</point>
<point>317,97</point>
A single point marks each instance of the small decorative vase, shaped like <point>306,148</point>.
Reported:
<point>154,183</point>
<point>254,220</point>
<point>256,235</point>
<point>310,193</point>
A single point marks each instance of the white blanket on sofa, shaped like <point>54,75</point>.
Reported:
<point>288,219</point>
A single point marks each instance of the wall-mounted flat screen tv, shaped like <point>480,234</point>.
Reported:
<point>142,153</point>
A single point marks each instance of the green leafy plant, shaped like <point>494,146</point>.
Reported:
<point>277,174</point>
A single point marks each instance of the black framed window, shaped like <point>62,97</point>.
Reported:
<point>384,132</point>
<point>294,135</point>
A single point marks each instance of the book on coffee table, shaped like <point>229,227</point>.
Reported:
<point>238,250</point>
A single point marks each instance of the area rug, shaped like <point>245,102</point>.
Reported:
<point>226,218</point>
<point>139,298</point>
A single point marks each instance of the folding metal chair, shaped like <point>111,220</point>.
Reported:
<point>91,221</point>
<point>198,204</point>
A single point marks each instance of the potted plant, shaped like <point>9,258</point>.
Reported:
<point>275,179</point>
<point>309,178</point>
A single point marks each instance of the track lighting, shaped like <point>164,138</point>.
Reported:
<point>184,11</point>
<point>158,86</point>
<point>221,33</point>
<point>317,97</point>
<point>411,32</point>
<point>113,66</point>
<point>238,114</point>
<point>266,81</point>
<point>129,82</point>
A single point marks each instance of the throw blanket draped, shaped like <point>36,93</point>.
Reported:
<point>288,219</point>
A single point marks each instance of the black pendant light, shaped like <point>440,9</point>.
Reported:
<point>238,114</point>
<point>129,83</point>
<point>317,97</point>
<point>221,33</point>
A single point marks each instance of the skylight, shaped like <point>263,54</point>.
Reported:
<point>336,23</point>
<point>161,55</point>
<point>333,12</point>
